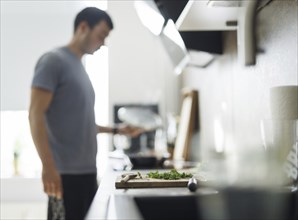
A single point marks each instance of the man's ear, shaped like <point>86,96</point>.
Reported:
<point>83,26</point>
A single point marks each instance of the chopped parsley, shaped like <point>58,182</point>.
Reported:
<point>172,175</point>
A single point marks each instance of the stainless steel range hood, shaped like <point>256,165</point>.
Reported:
<point>201,16</point>
<point>196,19</point>
<point>227,15</point>
<point>226,3</point>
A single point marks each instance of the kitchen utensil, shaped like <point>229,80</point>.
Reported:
<point>140,117</point>
<point>128,176</point>
<point>147,160</point>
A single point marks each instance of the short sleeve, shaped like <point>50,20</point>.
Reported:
<point>47,72</point>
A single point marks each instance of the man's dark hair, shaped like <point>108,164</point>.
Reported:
<point>92,16</point>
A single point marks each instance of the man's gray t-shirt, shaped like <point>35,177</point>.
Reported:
<point>70,117</point>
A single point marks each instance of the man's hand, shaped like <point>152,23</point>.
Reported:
<point>52,183</point>
<point>130,130</point>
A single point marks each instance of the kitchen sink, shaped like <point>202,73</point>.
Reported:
<point>227,204</point>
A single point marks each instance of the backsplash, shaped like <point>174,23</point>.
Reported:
<point>234,98</point>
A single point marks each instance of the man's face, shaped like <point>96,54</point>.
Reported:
<point>95,37</point>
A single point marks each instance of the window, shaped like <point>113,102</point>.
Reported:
<point>18,154</point>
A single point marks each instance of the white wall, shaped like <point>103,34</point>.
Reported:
<point>245,90</point>
<point>140,70</point>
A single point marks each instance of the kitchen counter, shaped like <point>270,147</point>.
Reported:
<point>222,203</point>
<point>107,188</point>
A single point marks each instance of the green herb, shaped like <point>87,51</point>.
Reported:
<point>172,175</point>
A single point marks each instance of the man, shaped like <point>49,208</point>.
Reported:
<point>62,118</point>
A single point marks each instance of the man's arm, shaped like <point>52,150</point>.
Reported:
<point>122,129</point>
<point>102,129</point>
<point>40,101</point>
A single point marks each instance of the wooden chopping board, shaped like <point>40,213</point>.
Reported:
<point>147,182</point>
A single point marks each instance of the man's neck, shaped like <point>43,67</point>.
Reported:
<point>75,48</point>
